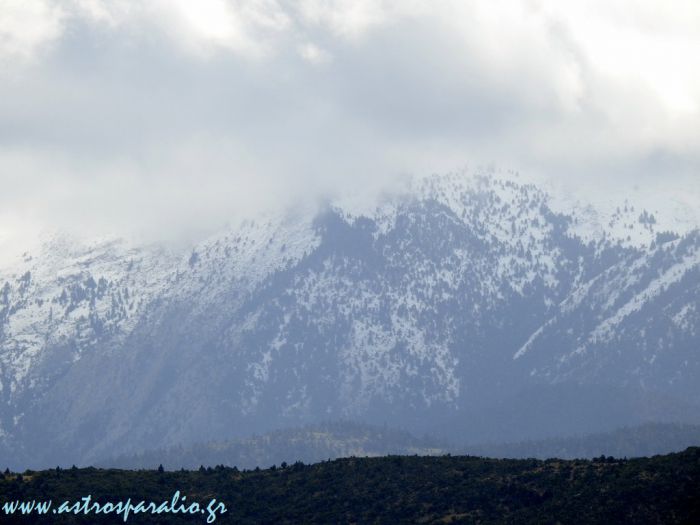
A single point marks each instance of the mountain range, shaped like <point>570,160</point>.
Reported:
<point>468,307</point>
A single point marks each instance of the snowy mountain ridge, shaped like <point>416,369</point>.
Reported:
<point>445,296</point>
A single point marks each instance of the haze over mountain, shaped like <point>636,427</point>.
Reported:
<point>166,118</point>
<point>320,442</point>
<point>476,308</point>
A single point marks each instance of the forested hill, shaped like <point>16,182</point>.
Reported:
<point>396,489</point>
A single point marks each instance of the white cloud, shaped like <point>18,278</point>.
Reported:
<point>109,12</point>
<point>131,102</point>
<point>247,27</point>
<point>314,54</point>
<point>347,18</point>
<point>27,27</point>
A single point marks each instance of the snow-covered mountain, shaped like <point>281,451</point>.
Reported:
<point>461,305</point>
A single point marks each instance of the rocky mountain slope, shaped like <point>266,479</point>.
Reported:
<point>463,306</point>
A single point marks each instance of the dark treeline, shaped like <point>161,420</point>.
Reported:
<point>396,489</point>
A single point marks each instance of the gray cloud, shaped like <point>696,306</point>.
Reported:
<point>174,116</point>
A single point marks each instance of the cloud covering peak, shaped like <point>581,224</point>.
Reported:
<point>175,115</point>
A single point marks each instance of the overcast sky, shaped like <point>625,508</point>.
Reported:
<point>172,115</point>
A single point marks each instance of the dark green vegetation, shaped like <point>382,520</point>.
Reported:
<point>402,489</point>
